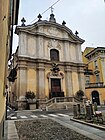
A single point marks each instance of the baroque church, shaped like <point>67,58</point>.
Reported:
<point>49,60</point>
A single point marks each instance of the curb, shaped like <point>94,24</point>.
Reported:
<point>86,123</point>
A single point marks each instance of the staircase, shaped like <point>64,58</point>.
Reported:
<point>57,103</point>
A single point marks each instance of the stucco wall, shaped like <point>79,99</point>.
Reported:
<point>34,46</point>
<point>75,82</point>
<point>35,64</point>
<point>4,9</point>
<point>31,80</point>
<point>101,92</point>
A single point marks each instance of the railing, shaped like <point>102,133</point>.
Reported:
<point>88,71</point>
<point>56,94</point>
<point>88,85</point>
<point>62,99</point>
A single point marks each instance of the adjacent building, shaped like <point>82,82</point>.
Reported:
<point>49,60</point>
<point>8,17</point>
<point>94,58</point>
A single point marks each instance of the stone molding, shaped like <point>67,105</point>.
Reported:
<point>54,44</point>
<point>31,29</point>
<point>59,75</point>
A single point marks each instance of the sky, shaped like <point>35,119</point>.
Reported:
<point>85,16</point>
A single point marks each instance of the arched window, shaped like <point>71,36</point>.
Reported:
<point>95,97</point>
<point>54,55</point>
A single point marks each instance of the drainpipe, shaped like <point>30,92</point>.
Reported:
<point>11,28</point>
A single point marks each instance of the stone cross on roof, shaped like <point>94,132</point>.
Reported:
<point>23,21</point>
<point>39,17</point>
<point>52,9</point>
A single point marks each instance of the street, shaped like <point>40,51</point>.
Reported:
<point>62,117</point>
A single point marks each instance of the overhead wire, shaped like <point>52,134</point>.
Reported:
<point>46,9</point>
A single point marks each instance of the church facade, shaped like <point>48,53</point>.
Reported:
<point>49,60</point>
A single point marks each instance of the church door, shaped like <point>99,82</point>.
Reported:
<point>56,88</point>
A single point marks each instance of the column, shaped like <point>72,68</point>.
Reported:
<point>78,53</point>
<point>68,82</point>
<point>66,56</point>
<point>41,81</point>
<point>23,44</point>
<point>22,88</point>
<point>22,81</point>
<point>40,48</point>
<point>103,69</point>
<point>81,81</point>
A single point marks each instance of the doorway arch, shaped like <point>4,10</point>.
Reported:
<point>95,97</point>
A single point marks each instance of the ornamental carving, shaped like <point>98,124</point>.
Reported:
<point>53,31</point>
<point>55,69</point>
<point>54,44</point>
<point>55,72</point>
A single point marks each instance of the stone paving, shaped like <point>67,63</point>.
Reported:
<point>46,129</point>
<point>10,131</point>
<point>49,128</point>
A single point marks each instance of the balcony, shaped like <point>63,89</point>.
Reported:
<point>88,72</point>
<point>94,85</point>
<point>96,70</point>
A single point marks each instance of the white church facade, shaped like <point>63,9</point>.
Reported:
<point>49,60</point>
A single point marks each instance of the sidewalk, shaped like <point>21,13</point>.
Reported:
<point>84,129</point>
<point>10,132</point>
<point>91,132</point>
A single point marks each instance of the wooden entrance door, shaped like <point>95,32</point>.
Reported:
<point>55,85</point>
<point>56,88</point>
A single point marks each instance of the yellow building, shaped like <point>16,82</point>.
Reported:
<point>8,16</point>
<point>94,58</point>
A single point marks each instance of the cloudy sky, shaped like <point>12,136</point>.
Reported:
<point>85,16</point>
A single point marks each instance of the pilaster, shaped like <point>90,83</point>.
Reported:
<point>103,69</point>
<point>68,81</point>
<point>40,47</point>
<point>22,81</point>
<point>81,79</point>
<point>40,81</point>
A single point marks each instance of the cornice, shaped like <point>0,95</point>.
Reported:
<point>28,29</point>
<point>95,50</point>
<point>67,65</point>
<point>51,37</point>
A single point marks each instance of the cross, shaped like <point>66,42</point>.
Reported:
<point>39,16</point>
<point>76,33</point>
<point>23,21</point>
<point>52,9</point>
